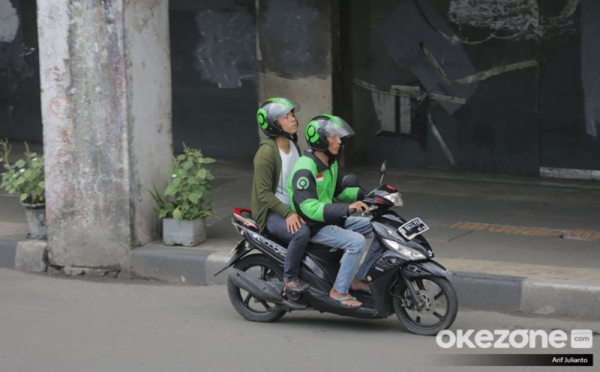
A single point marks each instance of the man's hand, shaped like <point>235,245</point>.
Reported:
<point>359,206</point>
<point>294,223</point>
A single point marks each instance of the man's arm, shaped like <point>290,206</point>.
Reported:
<point>306,200</point>
<point>265,168</point>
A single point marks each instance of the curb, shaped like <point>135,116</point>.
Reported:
<point>8,250</point>
<point>507,294</point>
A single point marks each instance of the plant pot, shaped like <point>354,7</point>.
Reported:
<point>36,218</point>
<point>184,232</point>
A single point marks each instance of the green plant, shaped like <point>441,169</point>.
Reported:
<point>25,177</point>
<point>184,196</point>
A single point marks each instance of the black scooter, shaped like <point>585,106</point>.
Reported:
<point>404,280</point>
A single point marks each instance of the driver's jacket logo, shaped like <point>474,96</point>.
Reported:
<point>302,183</point>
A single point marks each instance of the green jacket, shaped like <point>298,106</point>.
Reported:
<point>312,187</point>
<point>267,169</point>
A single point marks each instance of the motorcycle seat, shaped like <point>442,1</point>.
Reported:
<point>274,239</point>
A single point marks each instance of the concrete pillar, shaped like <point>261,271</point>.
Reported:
<point>106,109</point>
<point>297,46</point>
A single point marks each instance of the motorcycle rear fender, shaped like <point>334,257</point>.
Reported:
<point>424,268</point>
<point>239,251</point>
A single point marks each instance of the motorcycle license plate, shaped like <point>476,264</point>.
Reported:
<point>413,228</point>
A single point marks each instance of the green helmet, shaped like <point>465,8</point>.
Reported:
<point>323,126</point>
<point>270,111</point>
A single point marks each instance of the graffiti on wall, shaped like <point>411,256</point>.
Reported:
<point>297,45</point>
<point>12,50</point>
<point>226,52</point>
<point>9,21</point>
<point>510,19</point>
<point>418,38</point>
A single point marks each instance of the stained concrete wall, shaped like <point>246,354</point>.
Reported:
<point>105,79</point>
<point>295,55</point>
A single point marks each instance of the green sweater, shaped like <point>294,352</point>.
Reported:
<point>267,170</point>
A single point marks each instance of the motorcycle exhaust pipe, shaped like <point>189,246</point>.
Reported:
<point>257,287</point>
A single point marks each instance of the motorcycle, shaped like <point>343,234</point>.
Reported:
<point>405,280</point>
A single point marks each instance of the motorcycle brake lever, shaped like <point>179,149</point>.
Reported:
<point>366,213</point>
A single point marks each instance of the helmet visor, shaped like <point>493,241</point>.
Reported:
<point>337,128</point>
<point>282,107</point>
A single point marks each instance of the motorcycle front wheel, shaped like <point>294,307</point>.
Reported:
<point>251,308</point>
<point>439,312</point>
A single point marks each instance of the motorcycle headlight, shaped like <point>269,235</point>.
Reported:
<point>404,251</point>
<point>395,198</point>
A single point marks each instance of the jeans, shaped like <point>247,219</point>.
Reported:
<point>352,238</point>
<point>297,244</point>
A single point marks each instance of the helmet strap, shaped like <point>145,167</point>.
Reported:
<point>291,137</point>
<point>332,157</point>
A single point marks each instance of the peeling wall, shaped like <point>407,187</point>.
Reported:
<point>149,111</point>
<point>518,17</point>
<point>101,106</point>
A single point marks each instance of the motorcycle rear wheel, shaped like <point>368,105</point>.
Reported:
<point>253,309</point>
<point>441,305</point>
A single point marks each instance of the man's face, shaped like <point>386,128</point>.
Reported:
<point>335,142</point>
<point>288,122</point>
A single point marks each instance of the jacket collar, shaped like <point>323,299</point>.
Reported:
<point>273,144</point>
<point>321,167</point>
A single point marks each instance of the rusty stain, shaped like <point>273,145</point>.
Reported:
<point>56,104</point>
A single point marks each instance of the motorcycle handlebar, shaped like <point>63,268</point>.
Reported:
<point>351,211</point>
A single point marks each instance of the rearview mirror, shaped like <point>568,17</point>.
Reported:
<point>382,172</point>
<point>350,180</point>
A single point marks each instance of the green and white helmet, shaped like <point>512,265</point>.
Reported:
<point>271,110</point>
<point>323,126</point>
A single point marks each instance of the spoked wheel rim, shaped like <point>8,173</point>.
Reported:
<point>437,307</point>
<point>247,300</point>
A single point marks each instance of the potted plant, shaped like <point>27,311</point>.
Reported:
<point>184,205</point>
<point>26,178</point>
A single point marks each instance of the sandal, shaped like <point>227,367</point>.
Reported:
<point>342,299</point>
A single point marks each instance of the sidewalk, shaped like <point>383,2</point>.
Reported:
<point>514,244</point>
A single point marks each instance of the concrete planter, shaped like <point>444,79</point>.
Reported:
<point>184,232</point>
<point>36,218</point>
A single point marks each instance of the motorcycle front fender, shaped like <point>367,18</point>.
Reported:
<point>239,251</point>
<point>424,268</point>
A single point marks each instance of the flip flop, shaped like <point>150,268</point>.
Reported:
<point>342,299</point>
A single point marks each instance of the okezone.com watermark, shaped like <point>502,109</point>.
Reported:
<point>518,339</point>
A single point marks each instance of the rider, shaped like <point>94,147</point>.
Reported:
<point>273,164</point>
<point>314,183</point>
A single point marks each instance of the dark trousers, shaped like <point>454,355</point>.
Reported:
<point>297,244</point>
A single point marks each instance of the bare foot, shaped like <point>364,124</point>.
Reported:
<point>335,295</point>
<point>359,285</point>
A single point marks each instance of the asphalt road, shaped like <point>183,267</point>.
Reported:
<point>63,324</point>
